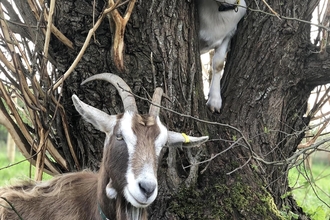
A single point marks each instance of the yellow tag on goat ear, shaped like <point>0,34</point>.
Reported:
<point>186,138</point>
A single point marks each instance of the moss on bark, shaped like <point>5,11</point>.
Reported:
<point>218,201</point>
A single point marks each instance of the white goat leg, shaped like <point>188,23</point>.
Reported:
<point>214,100</point>
<point>216,30</point>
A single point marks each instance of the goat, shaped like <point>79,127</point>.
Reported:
<point>218,21</point>
<point>127,180</point>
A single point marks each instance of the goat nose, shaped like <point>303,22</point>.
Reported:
<point>147,187</point>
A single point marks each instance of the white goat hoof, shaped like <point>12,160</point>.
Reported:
<point>214,104</point>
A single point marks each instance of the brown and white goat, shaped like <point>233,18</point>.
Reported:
<point>218,21</point>
<point>127,180</point>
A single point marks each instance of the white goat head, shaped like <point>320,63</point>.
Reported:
<point>218,21</point>
<point>132,146</point>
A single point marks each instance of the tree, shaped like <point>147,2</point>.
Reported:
<point>270,72</point>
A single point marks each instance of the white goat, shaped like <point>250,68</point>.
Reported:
<point>127,181</point>
<point>218,22</point>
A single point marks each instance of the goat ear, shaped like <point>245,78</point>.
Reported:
<point>99,119</point>
<point>181,139</point>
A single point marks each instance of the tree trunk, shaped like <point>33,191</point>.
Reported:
<point>273,83</point>
<point>242,172</point>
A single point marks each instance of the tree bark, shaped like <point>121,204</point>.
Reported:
<point>269,74</point>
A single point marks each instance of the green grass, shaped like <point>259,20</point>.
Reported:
<point>20,169</point>
<point>311,189</point>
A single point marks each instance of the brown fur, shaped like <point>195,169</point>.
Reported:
<point>53,199</point>
<point>77,195</point>
<point>145,147</point>
<point>71,196</point>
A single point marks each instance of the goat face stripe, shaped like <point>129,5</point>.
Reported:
<point>127,133</point>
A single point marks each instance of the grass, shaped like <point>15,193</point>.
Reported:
<point>311,189</point>
<point>20,169</point>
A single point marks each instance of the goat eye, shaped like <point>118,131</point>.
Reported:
<point>119,137</point>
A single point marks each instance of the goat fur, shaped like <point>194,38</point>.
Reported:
<point>216,29</point>
<point>52,199</point>
<point>77,195</point>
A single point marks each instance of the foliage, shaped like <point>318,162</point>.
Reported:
<point>312,190</point>
<point>3,135</point>
<point>29,107</point>
<point>21,170</point>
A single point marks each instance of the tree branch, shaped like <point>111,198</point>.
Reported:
<point>317,70</point>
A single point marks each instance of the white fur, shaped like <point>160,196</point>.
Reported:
<point>134,213</point>
<point>216,31</point>
<point>162,137</point>
<point>111,192</point>
<point>127,132</point>
<point>132,191</point>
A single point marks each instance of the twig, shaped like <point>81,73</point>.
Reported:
<point>86,43</point>
<point>182,114</point>
<point>240,167</point>
<point>215,155</point>
<point>272,10</point>
<point>12,207</point>
<point>49,24</point>
<point>21,161</point>
<point>288,18</point>
<point>311,184</point>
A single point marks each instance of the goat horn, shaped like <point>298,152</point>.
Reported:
<point>156,99</point>
<point>121,86</point>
